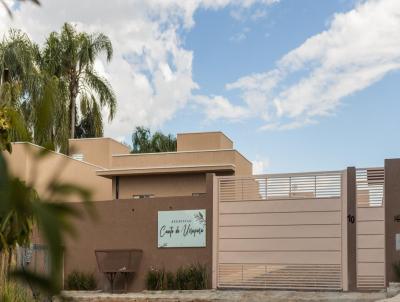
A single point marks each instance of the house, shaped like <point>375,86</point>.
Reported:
<point>130,189</point>
<point>326,230</point>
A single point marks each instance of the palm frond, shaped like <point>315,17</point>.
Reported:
<point>102,88</point>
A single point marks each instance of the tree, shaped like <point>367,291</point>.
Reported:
<point>22,209</point>
<point>91,123</point>
<point>144,142</point>
<point>59,78</point>
<point>17,81</point>
<point>70,56</point>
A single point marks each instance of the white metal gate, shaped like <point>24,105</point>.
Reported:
<point>280,231</point>
<point>370,228</point>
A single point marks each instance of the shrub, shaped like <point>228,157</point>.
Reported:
<point>12,292</point>
<point>170,281</point>
<point>155,279</point>
<point>193,276</point>
<point>182,280</point>
<point>81,281</point>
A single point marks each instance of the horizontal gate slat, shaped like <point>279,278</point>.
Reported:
<point>296,244</point>
<point>281,231</point>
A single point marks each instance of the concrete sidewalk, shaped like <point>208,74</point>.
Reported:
<point>228,295</point>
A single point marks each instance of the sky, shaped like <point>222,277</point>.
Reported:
<point>298,85</point>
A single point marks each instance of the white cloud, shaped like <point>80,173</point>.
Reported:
<point>218,107</point>
<point>151,71</point>
<point>260,165</point>
<point>358,49</point>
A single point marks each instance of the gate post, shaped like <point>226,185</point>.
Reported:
<point>392,211</point>
<point>351,222</point>
<point>215,231</point>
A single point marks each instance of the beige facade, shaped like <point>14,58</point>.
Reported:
<point>180,173</point>
<point>97,151</point>
<point>334,230</point>
<point>203,141</point>
<point>107,168</point>
<point>26,162</point>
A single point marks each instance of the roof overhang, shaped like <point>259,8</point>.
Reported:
<point>109,173</point>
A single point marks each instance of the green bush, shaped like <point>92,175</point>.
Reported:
<point>81,281</point>
<point>193,276</point>
<point>156,279</point>
<point>182,278</point>
<point>12,292</point>
<point>170,281</point>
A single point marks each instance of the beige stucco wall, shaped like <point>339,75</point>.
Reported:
<point>97,151</point>
<point>162,185</point>
<point>188,158</point>
<point>24,163</point>
<point>203,141</point>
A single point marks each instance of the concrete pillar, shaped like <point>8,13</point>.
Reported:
<point>392,209</point>
<point>351,229</point>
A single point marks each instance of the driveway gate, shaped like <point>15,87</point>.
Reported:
<point>282,231</point>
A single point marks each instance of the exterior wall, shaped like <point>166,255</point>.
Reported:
<point>203,141</point>
<point>392,209</point>
<point>243,166</point>
<point>24,164</point>
<point>162,185</point>
<point>97,151</point>
<point>133,224</point>
<point>190,158</point>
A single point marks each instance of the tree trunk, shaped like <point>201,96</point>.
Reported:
<point>73,89</point>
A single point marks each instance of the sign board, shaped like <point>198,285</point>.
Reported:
<point>182,228</point>
<point>397,242</point>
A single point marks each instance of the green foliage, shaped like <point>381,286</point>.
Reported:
<point>155,279</point>
<point>70,56</point>
<point>170,281</point>
<point>81,281</point>
<point>144,142</point>
<point>21,207</point>
<point>4,132</point>
<point>14,292</point>
<point>57,80</point>
<point>191,277</point>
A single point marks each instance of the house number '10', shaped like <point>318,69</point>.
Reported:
<point>351,218</point>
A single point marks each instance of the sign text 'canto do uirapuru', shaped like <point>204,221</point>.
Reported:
<point>182,228</point>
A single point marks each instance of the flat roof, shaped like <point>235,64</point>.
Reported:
<point>166,170</point>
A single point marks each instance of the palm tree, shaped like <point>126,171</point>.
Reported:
<point>144,142</point>
<point>28,93</point>
<point>70,56</point>
<point>17,81</point>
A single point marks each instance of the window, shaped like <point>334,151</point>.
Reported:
<point>140,196</point>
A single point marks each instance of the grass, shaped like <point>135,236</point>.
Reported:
<point>81,281</point>
<point>191,277</point>
<point>13,292</point>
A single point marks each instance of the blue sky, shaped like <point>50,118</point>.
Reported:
<point>299,85</point>
<point>362,131</point>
